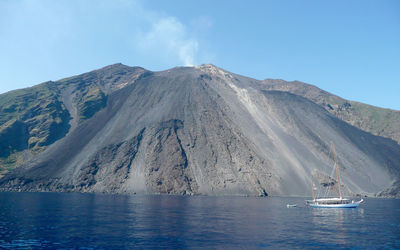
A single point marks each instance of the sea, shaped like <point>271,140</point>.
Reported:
<point>104,221</point>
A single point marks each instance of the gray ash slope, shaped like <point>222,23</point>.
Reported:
<point>203,130</point>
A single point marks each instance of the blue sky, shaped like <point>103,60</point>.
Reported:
<point>349,48</point>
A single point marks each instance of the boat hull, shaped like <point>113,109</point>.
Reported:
<point>349,205</point>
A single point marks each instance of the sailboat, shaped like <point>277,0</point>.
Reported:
<point>336,202</point>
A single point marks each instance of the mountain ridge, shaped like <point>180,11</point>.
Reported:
<point>345,110</point>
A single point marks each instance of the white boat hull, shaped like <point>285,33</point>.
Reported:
<point>349,205</point>
<point>352,204</point>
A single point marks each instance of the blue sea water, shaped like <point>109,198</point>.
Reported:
<point>97,221</point>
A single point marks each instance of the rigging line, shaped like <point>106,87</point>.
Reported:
<point>319,184</point>
<point>328,189</point>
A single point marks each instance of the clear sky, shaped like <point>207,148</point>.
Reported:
<point>349,48</point>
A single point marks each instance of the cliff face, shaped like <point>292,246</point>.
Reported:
<point>196,130</point>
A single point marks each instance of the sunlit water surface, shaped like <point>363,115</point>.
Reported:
<point>86,221</point>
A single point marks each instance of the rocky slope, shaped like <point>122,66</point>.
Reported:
<point>189,130</point>
<point>31,119</point>
<point>375,120</point>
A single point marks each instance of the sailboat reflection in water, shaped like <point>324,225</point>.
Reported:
<point>336,202</point>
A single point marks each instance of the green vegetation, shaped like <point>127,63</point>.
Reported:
<point>32,119</point>
<point>378,121</point>
<point>92,101</point>
<point>14,104</point>
<point>88,95</point>
<point>7,164</point>
<point>13,137</point>
<point>375,120</point>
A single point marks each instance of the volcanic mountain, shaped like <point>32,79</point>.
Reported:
<point>192,130</point>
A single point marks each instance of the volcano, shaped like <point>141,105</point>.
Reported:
<point>192,130</point>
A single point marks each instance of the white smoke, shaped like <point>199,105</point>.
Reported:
<point>168,37</point>
<point>46,37</point>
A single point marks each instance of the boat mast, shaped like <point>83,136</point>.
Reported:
<point>337,170</point>
<point>313,187</point>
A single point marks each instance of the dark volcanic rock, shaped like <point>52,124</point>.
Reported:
<point>201,130</point>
